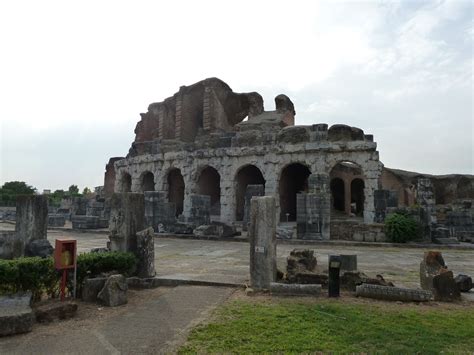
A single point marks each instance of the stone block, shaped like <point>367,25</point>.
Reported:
<point>393,293</point>
<point>431,265</point>
<point>31,217</point>
<point>445,288</point>
<point>127,217</point>
<point>114,292</point>
<point>146,253</point>
<point>348,262</point>
<point>85,222</point>
<point>16,315</point>
<point>41,248</point>
<point>56,220</point>
<point>91,288</point>
<point>294,289</point>
<point>200,211</point>
<point>464,282</point>
<point>262,236</point>
<point>10,246</point>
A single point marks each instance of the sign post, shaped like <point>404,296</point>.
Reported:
<point>64,259</point>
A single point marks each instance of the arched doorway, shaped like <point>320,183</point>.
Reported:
<point>293,179</point>
<point>248,175</point>
<point>209,183</point>
<point>176,190</point>
<point>126,183</point>
<point>338,194</point>
<point>357,197</point>
<point>148,182</point>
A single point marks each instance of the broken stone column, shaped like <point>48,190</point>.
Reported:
<point>31,218</point>
<point>251,191</point>
<point>381,198</point>
<point>262,236</point>
<point>313,209</point>
<point>146,253</point>
<point>430,266</point>
<point>200,211</point>
<point>126,219</point>
<point>426,199</point>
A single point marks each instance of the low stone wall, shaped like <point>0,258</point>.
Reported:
<point>356,231</point>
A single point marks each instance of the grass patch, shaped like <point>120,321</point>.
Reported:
<point>295,327</point>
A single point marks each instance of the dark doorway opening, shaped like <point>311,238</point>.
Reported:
<point>209,183</point>
<point>148,182</point>
<point>337,192</point>
<point>248,175</point>
<point>293,180</point>
<point>176,190</point>
<point>126,182</point>
<point>357,197</point>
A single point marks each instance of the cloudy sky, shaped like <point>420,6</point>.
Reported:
<point>74,76</point>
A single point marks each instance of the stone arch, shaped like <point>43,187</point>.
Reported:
<point>175,188</point>
<point>147,181</point>
<point>293,179</point>
<point>209,183</point>
<point>346,171</point>
<point>357,196</point>
<point>125,182</point>
<point>246,175</point>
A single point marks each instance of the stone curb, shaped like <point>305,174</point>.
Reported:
<point>154,282</point>
<point>281,289</point>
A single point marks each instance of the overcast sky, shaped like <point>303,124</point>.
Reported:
<point>74,76</point>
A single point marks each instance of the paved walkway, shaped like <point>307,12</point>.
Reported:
<point>154,321</point>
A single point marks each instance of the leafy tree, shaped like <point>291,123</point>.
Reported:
<point>86,191</point>
<point>56,197</point>
<point>10,190</point>
<point>73,190</point>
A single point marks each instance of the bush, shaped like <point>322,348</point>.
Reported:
<point>93,264</point>
<point>39,275</point>
<point>401,228</point>
<point>29,274</point>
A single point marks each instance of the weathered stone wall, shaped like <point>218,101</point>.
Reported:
<point>110,176</point>
<point>31,218</point>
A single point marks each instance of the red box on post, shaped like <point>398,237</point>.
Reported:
<point>65,254</point>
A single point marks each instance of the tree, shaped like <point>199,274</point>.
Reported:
<point>10,190</point>
<point>73,190</point>
<point>86,191</point>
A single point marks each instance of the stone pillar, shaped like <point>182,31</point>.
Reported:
<point>31,218</point>
<point>381,203</point>
<point>127,217</point>
<point>313,209</point>
<point>262,236</point>
<point>146,253</point>
<point>426,199</point>
<point>200,209</point>
<point>158,210</point>
<point>251,191</point>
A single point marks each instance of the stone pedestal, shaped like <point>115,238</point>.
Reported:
<point>262,236</point>
<point>31,218</point>
<point>200,211</point>
<point>158,210</point>
<point>126,219</point>
<point>146,253</point>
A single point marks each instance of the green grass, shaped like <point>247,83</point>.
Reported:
<point>286,326</point>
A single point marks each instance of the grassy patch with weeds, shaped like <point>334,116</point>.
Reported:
<point>294,327</point>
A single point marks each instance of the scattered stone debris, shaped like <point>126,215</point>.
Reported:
<point>464,282</point>
<point>215,230</point>
<point>114,292</point>
<point>16,315</point>
<point>350,280</point>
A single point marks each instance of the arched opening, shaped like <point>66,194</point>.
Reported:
<point>357,197</point>
<point>248,175</point>
<point>338,193</point>
<point>347,188</point>
<point>126,183</point>
<point>148,182</point>
<point>176,190</point>
<point>293,179</point>
<point>209,183</point>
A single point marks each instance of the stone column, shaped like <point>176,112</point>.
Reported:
<point>262,236</point>
<point>146,253</point>
<point>31,218</point>
<point>251,191</point>
<point>127,217</point>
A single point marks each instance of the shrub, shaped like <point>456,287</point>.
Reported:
<point>29,274</point>
<point>39,275</point>
<point>401,228</point>
<point>93,264</point>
